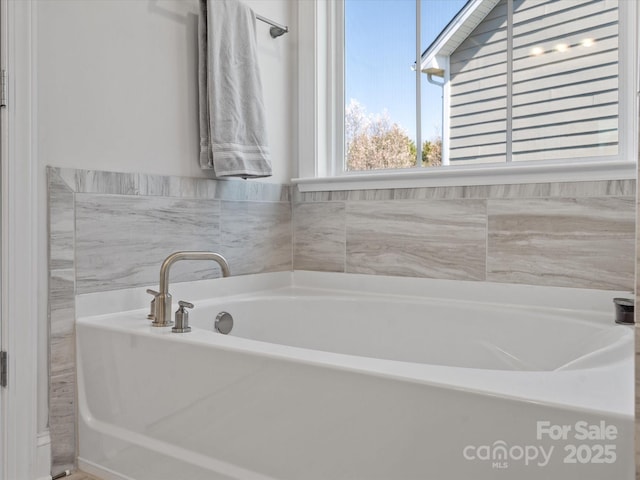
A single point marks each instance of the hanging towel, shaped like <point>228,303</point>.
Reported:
<point>233,136</point>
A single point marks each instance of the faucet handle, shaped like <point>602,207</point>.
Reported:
<point>182,318</point>
<point>152,312</point>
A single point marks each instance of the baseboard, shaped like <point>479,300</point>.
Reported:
<point>43,456</point>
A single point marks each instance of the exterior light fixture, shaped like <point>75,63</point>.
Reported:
<point>537,51</point>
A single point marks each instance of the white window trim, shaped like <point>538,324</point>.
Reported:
<point>321,84</point>
<point>321,149</point>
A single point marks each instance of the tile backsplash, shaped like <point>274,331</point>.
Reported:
<point>112,230</point>
<point>566,242</point>
<point>436,239</point>
<point>121,239</point>
<point>557,234</point>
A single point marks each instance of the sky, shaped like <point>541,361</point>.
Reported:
<point>380,51</point>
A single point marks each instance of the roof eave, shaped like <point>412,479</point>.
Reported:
<point>435,66</point>
<point>457,31</point>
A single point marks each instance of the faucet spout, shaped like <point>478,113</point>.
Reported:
<point>163,299</point>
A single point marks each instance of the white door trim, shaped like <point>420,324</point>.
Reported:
<point>19,250</point>
<point>3,327</point>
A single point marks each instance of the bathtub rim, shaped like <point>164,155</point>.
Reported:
<point>574,299</point>
<point>513,385</point>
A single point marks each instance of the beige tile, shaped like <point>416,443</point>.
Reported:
<point>579,242</point>
<point>60,221</point>
<point>434,239</point>
<point>618,188</point>
<point>370,195</point>
<point>62,420</point>
<point>121,241</point>
<point>526,190</point>
<point>432,193</point>
<point>332,196</point>
<point>255,237</point>
<point>319,237</point>
<point>61,322</point>
<point>115,183</point>
<point>61,289</point>
<point>251,191</point>
<point>62,354</point>
<point>192,187</point>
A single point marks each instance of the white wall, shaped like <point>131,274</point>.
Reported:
<point>117,90</point>
<point>117,85</point>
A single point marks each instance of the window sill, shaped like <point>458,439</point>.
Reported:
<point>456,176</point>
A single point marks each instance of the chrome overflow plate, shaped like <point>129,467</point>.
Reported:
<point>223,323</point>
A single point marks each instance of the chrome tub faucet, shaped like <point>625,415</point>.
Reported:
<point>161,302</point>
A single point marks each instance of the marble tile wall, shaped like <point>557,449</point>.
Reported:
<point>320,236</point>
<point>112,230</point>
<point>61,310</point>
<point>565,242</point>
<point>579,234</point>
<point>438,239</point>
<point>121,239</point>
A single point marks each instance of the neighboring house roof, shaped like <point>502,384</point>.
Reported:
<point>456,32</point>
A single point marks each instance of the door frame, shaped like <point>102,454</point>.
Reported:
<point>19,244</point>
<point>3,321</point>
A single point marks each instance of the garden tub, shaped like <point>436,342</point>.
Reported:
<point>344,377</point>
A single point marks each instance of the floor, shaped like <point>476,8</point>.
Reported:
<point>80,476</point>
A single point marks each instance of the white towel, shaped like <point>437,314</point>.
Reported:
<point>233,135</point>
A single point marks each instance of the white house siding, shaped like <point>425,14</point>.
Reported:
<point>478,81</point>
<point>564,103</point>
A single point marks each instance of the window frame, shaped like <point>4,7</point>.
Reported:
<point>321,119</point>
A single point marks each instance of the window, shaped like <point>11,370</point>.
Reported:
<point>384,127</point>
<point>544,86</point>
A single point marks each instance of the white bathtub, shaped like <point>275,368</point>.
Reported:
<point>334,376</point>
